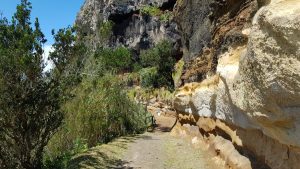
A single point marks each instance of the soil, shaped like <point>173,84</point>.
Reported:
<point>151,150</point>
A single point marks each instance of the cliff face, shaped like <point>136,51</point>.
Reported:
<point>241,77</point>
<point>208,28</point>
<point>250,107</point>
<point>131,28</point>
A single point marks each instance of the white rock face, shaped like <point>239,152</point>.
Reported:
<point>262,88</point>
<point>270,72</point>
<point>258,86</point>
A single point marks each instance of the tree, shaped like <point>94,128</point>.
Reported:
<point>29,99</point>
<point>67,56</point>
<point>114,60</point>
<point>161,57</point>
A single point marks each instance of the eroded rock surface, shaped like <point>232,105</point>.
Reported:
<point>208,28</point>
<point>241,75</point>
<point>131,28</point>
<point>253,101</point>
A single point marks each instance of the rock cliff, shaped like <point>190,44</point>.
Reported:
<point>250,106</point>
<point>241,78</point>
<point>131,27</point>
<point>209,28</point>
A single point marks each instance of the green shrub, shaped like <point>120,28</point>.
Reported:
<point>30,99</point>
<point>100,112</point>
<point>114,60</point>
<point>137,67</point>
<point>166,16</point>
<point>105,29</point>
<point>154,56</point>
<point>131,79</point>
<point>148,77</point>
<point>160,57</point>
<point>145,94</point>
<point>61,161</point>
<point>150,10</point>
<point>150,57</point>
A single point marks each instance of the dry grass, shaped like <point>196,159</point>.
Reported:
<point>144,94</point>
<point>207,83</point>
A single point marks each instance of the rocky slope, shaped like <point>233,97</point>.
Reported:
<point>241,80</point>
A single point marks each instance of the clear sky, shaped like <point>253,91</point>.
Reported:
<point>52,14</point>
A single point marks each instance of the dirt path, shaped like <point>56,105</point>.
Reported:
<point>156,150</point>
<point>160,150</point>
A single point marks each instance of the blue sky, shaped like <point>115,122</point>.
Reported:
<point>52,14</point>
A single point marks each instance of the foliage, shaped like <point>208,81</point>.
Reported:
<point>166,16</point>
<point>62,161</point>
<point>67,56</point>
<point>145,94</point>
<point>131,79</point>
<point>89,108</point>
<point>150,10</point>
<point>105,30</point>
<point>150,57</point>
<point>114,60</point>
<point>137,66</point>
<point>148,77</point>
<point>178,72</point>
<point>160,57</point>
<point>29,100</point>
<point>100,112</point>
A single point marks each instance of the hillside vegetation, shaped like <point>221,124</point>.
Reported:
<point>48,117</point>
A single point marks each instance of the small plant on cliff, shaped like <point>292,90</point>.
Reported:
<point>166,16</point>
<point>150,10</point>
<point>179,66</point>
<point>105,30</point>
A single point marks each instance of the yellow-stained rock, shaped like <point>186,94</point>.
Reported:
<point>253,102</point>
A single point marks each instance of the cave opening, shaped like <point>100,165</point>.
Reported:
<point>169,5</point>
<point>121,17</point>
<point>121,21</point>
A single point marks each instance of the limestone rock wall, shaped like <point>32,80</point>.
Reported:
<point>241,92</point>
<point>208,28</point>
<point>131,28</point>
<point>250,107</point>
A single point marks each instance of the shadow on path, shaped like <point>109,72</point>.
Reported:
<point>111,155</point>
<point>105,156</point>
